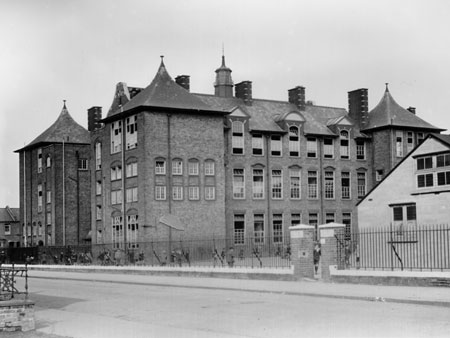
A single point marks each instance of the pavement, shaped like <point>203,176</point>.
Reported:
<point>433,296</point>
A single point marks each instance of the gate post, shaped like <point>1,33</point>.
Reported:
<point>329,235</point>
<point>302,246</point>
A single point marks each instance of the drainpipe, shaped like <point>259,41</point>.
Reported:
<point>268,185</point>
<point>25,202</point>
<point>319,153</point>
<point>124,216</point>
<point>169,179</point>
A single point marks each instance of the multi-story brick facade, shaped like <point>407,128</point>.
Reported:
<point>168,163</point>
<point>54,185</point>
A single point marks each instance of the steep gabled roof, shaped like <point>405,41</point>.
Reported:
<point>8,214</point>
<point>443,138</point>
<point>164,92</point>
<point>64,128</point>
<point>389,113</point>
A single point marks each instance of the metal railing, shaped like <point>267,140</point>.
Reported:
<point>255,252</point>
<point>425,247</point>
<point>8,280</point>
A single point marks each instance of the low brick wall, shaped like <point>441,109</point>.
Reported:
<point>16,315</point>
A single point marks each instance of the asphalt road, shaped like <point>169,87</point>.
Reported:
<point>82,309</point>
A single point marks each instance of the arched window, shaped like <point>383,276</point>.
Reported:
<point>345,152</point>
<point>48,161</point>
<point>177,166</point>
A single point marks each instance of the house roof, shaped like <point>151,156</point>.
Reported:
<point>388,113</point>
<point>443,138</point>
<point>8,214</point>
<point>164,92</point>
<point>64,128</point>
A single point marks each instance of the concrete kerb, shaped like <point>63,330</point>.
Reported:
<point>311,288</point>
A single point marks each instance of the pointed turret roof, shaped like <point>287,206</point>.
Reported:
<point>388,113</point>
<point>164,93</point>
<point>64,128</point>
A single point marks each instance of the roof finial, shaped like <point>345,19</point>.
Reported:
<point>387,83</point>
<point>64,107</point>
<point>162,61</point>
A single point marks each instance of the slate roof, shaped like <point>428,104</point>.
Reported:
<point>164,92</point>
<point>9,215</point>
<point>264,113</point>
<point>389,113</point>
<point>65,128</point>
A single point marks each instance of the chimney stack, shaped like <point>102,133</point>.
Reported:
<point>297,97</point>
<point>358,107</point>
<point>243,90</point>
<point>94,117</point>
<point>412,110</point>
<point>183,81</point>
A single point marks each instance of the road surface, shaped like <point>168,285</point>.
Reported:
<point>85,309</point>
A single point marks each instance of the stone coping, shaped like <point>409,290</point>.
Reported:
<point>331,225</point>
<point>389,273</point>
<point>16,302</point>
<point>302,227</point>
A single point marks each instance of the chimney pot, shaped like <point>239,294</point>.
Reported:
<point>412,110</point>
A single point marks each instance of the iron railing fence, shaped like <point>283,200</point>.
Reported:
<point>8,280</point>
<point>248,252</point>
<point>425,247</point>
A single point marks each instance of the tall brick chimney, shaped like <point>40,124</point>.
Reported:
<point>243,90</point>
<point>358,106</point>
<point>297,97</point>
<point>94,117</point>
<point>183,81</point>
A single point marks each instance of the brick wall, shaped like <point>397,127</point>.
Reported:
<point>16,315</point>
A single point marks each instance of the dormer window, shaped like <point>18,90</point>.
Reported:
<point>345,153</point>
<point>294,141</point>
<point>237,137</point>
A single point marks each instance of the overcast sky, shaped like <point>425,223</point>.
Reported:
<point>78,50</point>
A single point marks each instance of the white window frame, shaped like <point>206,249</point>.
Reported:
<point>344,137</point>
<point>239,185</point>
<point>116,197</point>
<point>237,138</point>
<point>116,173</point>
<point>210,169</point>
<point>258,235</point>
<point>177,193</point>
<point>160,167</point>
<point>177,167</point>
<point>294,141</point>
<point>39,160</point>
<point>329,185</point>
<point>116,137</point>
<point>399,143</point>
<point>257,145</point>
<point>328,149</point>
<point>346,191</point>
<point>132,231</point>
<point>194,193</point>
<point>276,180</point>
<point>360,149</point>
<point>238,233</point>
<point>311,147</point>
<point>98,156</point>
<point>210,193</point>
<point>295,184</point>
<point>193,168</point>
<point>362,189</point>
<point>160,192</point>
<point>258,185</point>
<point>277,228</point>
<point>132,169</point>
<point>131,132</point>
<point>312,185</point>
<point>276,145</point>
<point>132,194</point>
